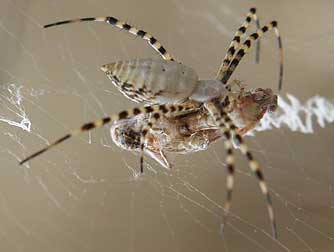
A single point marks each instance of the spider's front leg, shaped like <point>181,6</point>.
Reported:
<point>222,119</point>
<point>235,43</point>
<point>247,45</point>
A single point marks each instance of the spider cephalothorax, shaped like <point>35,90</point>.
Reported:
<point>173,93</point>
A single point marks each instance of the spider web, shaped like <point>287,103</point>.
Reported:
<point>87,195</point>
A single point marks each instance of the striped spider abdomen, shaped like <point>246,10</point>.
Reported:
<point>152,80</point>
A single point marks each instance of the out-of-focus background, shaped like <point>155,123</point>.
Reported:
<point>85,195</point>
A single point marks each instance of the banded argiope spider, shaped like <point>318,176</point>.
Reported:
<point>171,89</point>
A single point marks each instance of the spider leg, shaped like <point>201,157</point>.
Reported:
<point>159,157</point>
<point>154,43</point>
<point>230,171</point>
<point>152,119</point>
<point>247,45</point>
<point>142,148</point>
<point>230,167</point>
<point>158,110</point>
<point>222,118</point>
<point>235,43</point>
<point>229,157</point>
<point>229,161</point>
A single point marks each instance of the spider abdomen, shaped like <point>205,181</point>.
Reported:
<point>152,81</point>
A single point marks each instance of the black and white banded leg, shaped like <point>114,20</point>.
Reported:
<point>247,45</point>
<point>235,43</point>
<point>156,110</point>
<point>154,43</point>
<point>222,119</point>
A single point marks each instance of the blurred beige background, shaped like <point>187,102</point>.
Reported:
<point>84,195</point>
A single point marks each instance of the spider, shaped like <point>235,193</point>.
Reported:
<point>170,89</point>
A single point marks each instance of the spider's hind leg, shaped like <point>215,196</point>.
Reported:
<point>153,42</point>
